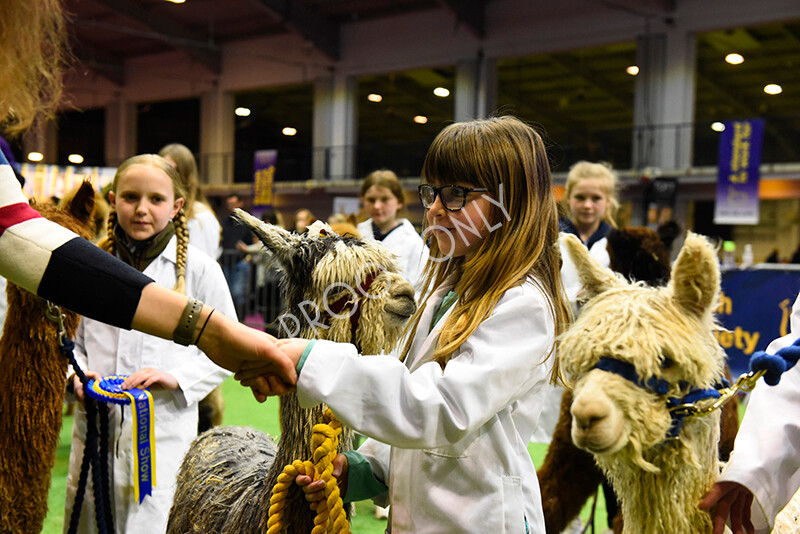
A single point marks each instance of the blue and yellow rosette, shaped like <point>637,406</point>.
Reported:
<point>108,389</point>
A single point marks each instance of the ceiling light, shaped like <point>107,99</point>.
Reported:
<point>77,159</point>
<point>633,70</point>
<point>717,126</point>
<point>35,156</point>
<point>441,91</point>
<point>773,89</point>
<point>289,131</point>
<point>420,119</point>
<point>176,1</point>
<point>734,59</point>
<point>374,97</point>
<point>242,112</point>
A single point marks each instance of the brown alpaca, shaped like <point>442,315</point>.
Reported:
<point>226,478</point>
<point>568,475</point>
<point>32,387</point>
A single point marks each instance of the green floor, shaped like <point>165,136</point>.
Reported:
<point>242,409</point>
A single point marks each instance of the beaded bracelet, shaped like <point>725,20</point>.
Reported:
<point>184,332</point>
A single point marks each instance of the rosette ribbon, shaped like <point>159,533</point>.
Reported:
<point>108,389</point>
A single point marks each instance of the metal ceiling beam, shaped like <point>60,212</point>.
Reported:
<point>197,46</point>
<point>470,12</point>
<point>322,33</point>
<point>104,64</point>
<point>592,79</point>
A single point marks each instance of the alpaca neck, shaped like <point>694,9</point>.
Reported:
<point>667,502</point>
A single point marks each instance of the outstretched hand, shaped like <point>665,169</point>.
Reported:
<point>315,491</point>
<point>729,499</point>
<point>260,378</point>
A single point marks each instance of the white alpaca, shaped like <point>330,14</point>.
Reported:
<point>659,334</point>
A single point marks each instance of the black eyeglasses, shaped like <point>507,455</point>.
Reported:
<point>454,197</point>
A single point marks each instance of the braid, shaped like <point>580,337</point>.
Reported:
<point>107,243</point>
<point>182,233</point>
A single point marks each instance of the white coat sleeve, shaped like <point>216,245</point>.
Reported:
<point>503,359</point>
<point>198,376</point>
<point>765,456</point>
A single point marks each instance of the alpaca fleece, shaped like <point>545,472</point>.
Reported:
<point>665,333</point>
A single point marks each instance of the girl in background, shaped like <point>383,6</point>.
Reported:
<point>204,228</point>
<point>592,205</point>
<point>147,230</point>
<point>382,198</point>
<point>449,425</point>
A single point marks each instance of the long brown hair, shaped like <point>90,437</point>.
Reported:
<point>33,42</point>
<point>180,220</point>
<point>508,158</point>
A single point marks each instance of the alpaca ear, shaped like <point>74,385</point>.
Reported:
<point>594,277</point>
<point>695,276</point>
<point>81,206</point>
<point>280,242</point>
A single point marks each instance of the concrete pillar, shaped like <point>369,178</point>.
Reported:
<point>335,124</point>
<point>475,88</point>
<point>120,134</point>
<point>664,101</point>
<point>217,143</point>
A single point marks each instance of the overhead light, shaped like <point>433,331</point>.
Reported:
<point>289,131</point>
<point>734,59</point>
<point>242,112</point>
<point>633,70</point>
<point>176,1</point>
<point>773,89</point>
<point>35,156</point>
<point>441,91</point>
<point>420,119</point>
<point>374,97</point>
<point>77,159</point>
<point>717,126</point>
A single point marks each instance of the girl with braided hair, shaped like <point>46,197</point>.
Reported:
<point>147,230</point>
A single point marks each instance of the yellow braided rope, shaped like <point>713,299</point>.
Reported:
<point>330,518</point>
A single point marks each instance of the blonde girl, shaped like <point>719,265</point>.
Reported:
<point>591,204</point>
<point>383,199</point>
<point>449,424</point>
<point>204,228</point>
<point>147,230</point>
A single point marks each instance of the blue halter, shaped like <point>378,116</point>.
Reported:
<point>677,406</point>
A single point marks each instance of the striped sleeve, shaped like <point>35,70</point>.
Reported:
<point>55,263</point>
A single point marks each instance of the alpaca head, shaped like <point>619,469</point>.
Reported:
<point>662,335</point>
<point>338,288</point>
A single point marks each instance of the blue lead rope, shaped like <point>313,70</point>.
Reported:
<point>661,387</point>
<point>774,365</point>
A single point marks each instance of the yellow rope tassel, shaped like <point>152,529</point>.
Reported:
<point>330,518</point>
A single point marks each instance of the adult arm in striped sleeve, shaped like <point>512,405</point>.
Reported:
<point>56,264</point>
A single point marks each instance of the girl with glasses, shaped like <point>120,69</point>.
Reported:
<point>450,423</point>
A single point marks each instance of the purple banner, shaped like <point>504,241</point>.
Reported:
<point>738,175</point>
<point>263,176</point>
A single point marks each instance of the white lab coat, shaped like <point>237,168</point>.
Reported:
<point>113,351</point>
<point>458,460</point>
<point>205,231</point>
<point>412,253</point>
<point>765,456</point>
